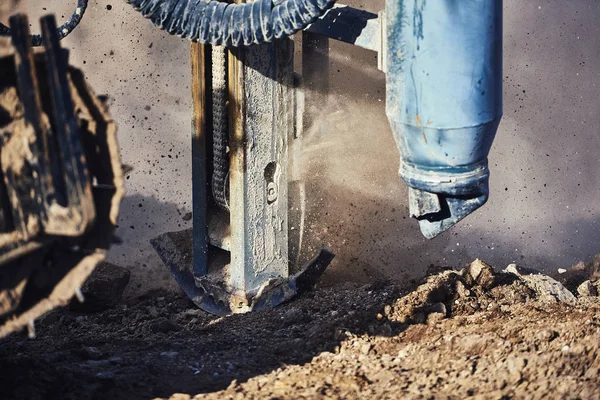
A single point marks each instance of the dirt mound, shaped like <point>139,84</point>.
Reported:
<point>475,333</point>
<point>455,334</point>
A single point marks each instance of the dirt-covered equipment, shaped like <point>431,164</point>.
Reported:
<point>61,178</point>
<point>443,62</point>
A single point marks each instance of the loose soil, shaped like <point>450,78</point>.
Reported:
<point>453,335</point>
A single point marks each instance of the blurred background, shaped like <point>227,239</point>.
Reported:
<point>544,210</point>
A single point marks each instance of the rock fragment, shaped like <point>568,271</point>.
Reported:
<point>103,289</point>
<point>292,316</point>
<point>547,335</point>
<point>573,277</point>
<point>438,308</point>
<point>479,272</point>
<point>366,348</point>
<point>546,288</point>
<point>436,313</point>
<point>163,325</point>
<point>579,273</point>
<point>515,366</point>
<point>180,396</point>
<point>417,305</point>
<point>587,289</point>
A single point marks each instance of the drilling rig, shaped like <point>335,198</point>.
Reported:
<point>443,66</point>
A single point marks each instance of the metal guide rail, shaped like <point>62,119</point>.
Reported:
<point>237,260</point>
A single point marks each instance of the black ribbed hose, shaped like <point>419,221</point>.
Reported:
<point>232,25</point>
<point>63,31</point>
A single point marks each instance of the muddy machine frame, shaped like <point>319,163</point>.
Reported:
<point>61,178</point>
<point>443,62</point>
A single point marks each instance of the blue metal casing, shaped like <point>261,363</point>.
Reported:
<point>444,102</point>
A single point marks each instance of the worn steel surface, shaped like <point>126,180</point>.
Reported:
<point>241,261</point>
<point>444,101</point>
<point>262,98</point>
<point>211,292</point>
<point>199,159</point>
<point>358,27</point>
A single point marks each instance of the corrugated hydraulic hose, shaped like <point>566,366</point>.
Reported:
<point>63,30</point>
<point>232,25</point>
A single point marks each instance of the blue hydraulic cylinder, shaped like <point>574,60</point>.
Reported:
<point>444,102</point>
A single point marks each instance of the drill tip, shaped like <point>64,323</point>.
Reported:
<point>436,217</point>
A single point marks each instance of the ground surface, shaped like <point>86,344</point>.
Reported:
<point>474,333</point>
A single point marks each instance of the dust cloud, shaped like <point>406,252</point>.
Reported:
<point>543,210</point>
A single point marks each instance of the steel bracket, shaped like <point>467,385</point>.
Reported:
<point>358,27</point>
<point>242,259</point>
